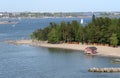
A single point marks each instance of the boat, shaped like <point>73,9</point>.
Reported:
<point>81,21</point>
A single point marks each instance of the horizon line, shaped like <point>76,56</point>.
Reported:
<point>57,11</point>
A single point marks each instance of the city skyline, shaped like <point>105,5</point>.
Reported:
<point>59,6</point>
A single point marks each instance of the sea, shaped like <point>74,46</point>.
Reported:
<point>25,61</point>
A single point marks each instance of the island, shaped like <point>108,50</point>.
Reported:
<point>103,33</point>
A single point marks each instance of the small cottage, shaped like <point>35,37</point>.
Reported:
<point>91,50</point>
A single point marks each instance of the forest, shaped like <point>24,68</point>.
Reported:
<point>100,31</point>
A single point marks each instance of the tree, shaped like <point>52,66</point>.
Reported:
<point>32,36</point>
<point>113,40</point>
<point>93,18</point>
<point>102,30</point>
<point>53,36</point>
<point>118,30</point>
<point>63,31</point>
<point>75,27</point>
<point>79,33</point>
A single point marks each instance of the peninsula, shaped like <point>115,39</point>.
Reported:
<point>102,50</point>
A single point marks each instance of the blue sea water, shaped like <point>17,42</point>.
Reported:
<point>26,61</point>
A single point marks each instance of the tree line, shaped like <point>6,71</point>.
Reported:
<point>99,30</point>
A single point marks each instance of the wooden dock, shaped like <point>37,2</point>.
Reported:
<point>104,70</point>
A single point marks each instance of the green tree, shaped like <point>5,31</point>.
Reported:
<point>113,40</point>
<point>53,36</point>
<point>63,31</point>
<point>75,27</point>
<point>99,31</point>
<point>118,30</point>
<point>93,18</point>
<point>79,33</point>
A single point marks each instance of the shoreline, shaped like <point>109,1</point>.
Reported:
<point>102,50</point>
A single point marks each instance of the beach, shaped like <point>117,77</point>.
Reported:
<point>102,50</point>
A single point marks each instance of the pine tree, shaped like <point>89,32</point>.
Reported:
<point>113,40</point>
<point>93,18</point>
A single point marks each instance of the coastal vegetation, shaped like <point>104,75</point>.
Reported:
<point>99,30</point>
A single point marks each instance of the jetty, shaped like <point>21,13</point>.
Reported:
<point>107,70</point>
<point>8,22</point>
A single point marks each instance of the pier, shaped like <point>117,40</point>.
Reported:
<point>104,70</point>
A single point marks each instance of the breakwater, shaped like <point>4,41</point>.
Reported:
<point>104,70</point>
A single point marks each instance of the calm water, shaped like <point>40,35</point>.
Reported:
<point>35,62</point>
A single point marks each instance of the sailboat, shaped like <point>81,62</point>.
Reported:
<point>81,21</point>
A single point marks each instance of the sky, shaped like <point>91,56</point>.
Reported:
<point>59,5</point>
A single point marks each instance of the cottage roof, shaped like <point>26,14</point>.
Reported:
<point>93,48</point>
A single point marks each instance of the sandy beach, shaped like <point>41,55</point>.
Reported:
<point>102,50</point>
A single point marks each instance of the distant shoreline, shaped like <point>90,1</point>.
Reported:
<point>44,17</point>
<point>102,50</point>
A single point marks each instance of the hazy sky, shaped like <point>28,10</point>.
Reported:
<point>59,5</point>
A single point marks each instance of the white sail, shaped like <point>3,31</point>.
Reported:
<point>81,21</point>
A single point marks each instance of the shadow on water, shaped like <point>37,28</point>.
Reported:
<point>57,50</point>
